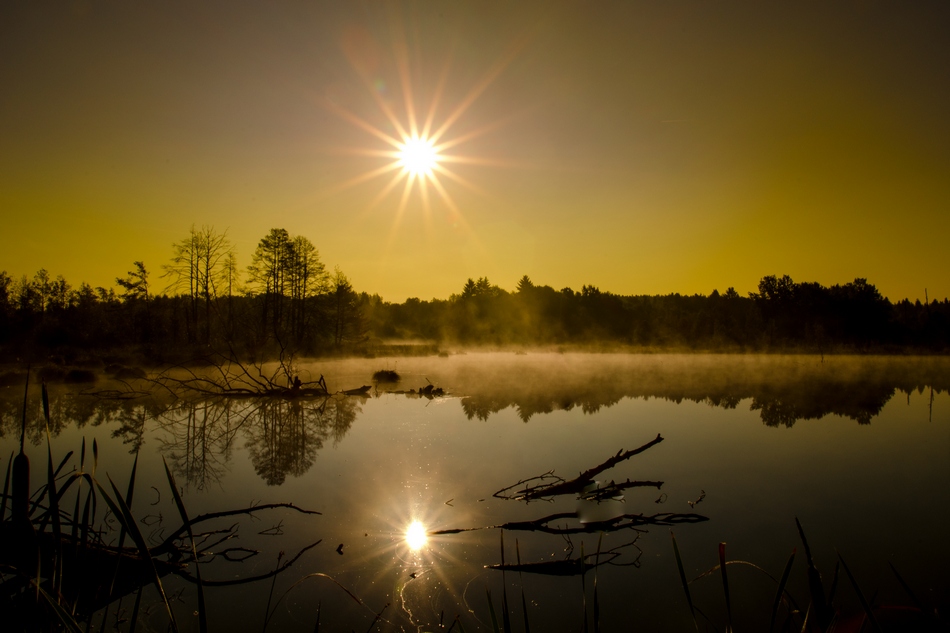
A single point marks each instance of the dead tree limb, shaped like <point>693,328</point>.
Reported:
<point>620,522</point>
<point>543,490</point>
<point>241,581</point>
<point>168,544</point>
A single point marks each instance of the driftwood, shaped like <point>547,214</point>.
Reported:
<point>236,380</point>
<point>230,377</point>
<point>620,522</point>
<point>241,581</point>
<point>549,485</point>
<point>168,545</point>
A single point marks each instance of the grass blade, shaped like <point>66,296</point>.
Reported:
<point>45,397</point>
<point>679,566</point>
<point>834,586</point>
<point>725,586</point>
<point>906,587</point>
<point>505,619</point>
<point>781,590</point>
<point>600,541</point>
<point>491,611</point>
<point>130,489</point>
<point>270,597</point>
<point>377,618</point>
<point>53,504</point>
<point>88,514</point>
<point>524,602</point>
<point>6,488</point>
<point>82,463</point>
<point>135,611</point>
<point>65,619</point>
<point>814,583</point>
<point>202,611</point>
<point>805,621</point>
<point>26,392</point>
<point>584,587</point>
<point>20,506</point>
<point>124,516</point>
<point>864,602</point>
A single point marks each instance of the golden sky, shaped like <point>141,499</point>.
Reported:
<point>643,147</point>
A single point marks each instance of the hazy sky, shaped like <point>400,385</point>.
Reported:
<point>643,147</point>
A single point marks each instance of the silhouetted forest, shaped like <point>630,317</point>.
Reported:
<point>286,299</point>
<point>782,315</point>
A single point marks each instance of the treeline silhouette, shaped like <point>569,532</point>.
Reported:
<point>287,300</point>
<point>782,315</point>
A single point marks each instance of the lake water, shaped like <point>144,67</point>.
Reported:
<point>858,449</point>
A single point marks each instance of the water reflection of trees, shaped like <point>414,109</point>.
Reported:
<point>282,436</point>
<point>197,437</point>
<point>779,402</point>
<point>529,405</point>
<point>125,415</point>
<point>288,433</point>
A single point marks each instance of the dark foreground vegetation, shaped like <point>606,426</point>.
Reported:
<point>286,299</point>
<point>59,569</point>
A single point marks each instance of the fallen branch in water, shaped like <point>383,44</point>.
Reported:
<point>542,486</point>
<point>611,490</point>
<point>231,379</point>
<point>168,544</point>
<point>620,522</point>
<point>241,581</point>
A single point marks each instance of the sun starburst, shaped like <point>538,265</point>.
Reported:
<point>418,146</point>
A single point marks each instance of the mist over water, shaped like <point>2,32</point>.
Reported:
<point>855,447</point>
<point>783,388</point>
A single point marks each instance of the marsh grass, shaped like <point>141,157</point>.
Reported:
<point>823,613</point>
<point>56,568</point>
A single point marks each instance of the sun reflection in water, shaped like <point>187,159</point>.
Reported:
<point>416,536</point>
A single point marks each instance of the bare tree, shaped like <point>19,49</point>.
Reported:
<point>200,265</point>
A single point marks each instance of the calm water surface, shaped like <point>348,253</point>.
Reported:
<point>856,448</point>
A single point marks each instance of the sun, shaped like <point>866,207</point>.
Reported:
<point>418,156</point>
<point>416,536</point>
<point>419,146</point>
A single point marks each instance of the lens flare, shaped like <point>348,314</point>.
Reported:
<point>416,536</point>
